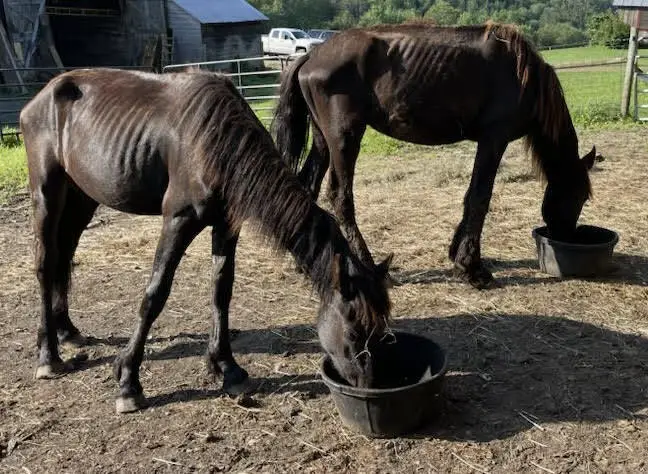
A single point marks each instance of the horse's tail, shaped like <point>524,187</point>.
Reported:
<point>291,119</point>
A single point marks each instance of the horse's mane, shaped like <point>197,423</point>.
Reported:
<point>550,109</point>
<point>233,153</point>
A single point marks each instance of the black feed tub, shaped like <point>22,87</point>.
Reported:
<point>408,377</point>
<point>587,254</point>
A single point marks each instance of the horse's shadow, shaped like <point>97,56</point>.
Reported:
<point>624,268</point>
<point>506,372</point>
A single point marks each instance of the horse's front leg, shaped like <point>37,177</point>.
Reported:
<point>177,233</point>
<point>220,360</point>
<point>465,250</point>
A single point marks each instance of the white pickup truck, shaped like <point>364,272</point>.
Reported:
<point>287,41</point>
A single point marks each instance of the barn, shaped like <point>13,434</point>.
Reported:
<point>149,33</point>
<point>40,38</point>
<point>210,30</point>
<point>73,33</point>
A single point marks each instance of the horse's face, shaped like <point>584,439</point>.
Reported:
<point>352,319</point>
<point>564,199</point>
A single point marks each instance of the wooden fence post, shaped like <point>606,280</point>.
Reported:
<point>629,72</point>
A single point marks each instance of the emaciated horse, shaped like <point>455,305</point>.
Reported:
<point>188,147</point>
<point>433,85</point>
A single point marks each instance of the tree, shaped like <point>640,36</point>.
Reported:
<point>443,13</point>
<point>559,34</point>
<point>548,22</point>
<point>608,29</point>
<point>472,18</point>
<point>386,11</point>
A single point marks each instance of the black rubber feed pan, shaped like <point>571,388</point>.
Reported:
<point>588,254</point>
<point>408,377</point>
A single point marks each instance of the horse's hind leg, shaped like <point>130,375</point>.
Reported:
<point>344,145</point>
<point>177,233</point>
<point>220,360</point>
<point>48,190</point>
<point>465,250</point>
<point>317,162</point>
<point>77,213</point>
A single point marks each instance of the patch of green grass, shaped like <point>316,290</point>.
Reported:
<point>557,57</point>
<point>593,97</point>
<point>375,143</point>
<point>13,170</point>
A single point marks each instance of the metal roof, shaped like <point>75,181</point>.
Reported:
<point>630,3</point>
<point>221,11</point>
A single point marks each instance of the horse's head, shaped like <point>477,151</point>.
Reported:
<point>353,317</point>
<point>565,196</point>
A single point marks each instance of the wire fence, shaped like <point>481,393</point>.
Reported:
<point>593,91</point>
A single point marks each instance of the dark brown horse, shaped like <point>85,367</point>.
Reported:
<point>186,146</point>
<point>433,85</point>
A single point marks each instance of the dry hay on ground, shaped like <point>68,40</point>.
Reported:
<point>545,375</point>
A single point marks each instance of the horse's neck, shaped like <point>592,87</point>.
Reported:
<point>315,245</point>
<point>269,194</point>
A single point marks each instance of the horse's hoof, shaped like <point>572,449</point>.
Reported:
<point>76,340</point>
<point>236,382</point>
<point>130,404</point>
<point>52,370</point>
<point>480,279</point>
<point>484,284</point>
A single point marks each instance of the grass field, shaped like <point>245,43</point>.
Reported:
<point>13,170</point>
<point>593,96</point>
<point>557,57</point>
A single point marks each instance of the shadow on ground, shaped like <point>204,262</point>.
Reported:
<point>504,370</point>
<point>628,269</point>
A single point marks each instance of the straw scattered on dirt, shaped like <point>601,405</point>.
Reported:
<point>546,375</point>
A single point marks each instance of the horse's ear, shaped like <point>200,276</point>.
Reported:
<point>588,160</point>
<point>383,267</point>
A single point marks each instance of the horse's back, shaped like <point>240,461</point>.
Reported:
<point>114,133</point>
<point>417,78</point>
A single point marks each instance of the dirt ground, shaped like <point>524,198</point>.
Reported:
<point>546,375</point>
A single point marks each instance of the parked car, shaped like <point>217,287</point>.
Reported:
<point>288,41</point>
<point>321,34</point>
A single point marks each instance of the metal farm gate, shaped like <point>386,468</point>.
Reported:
<point>257,79</point>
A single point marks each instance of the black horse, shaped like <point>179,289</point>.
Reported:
<point>433,85</point>
<point>186,146</point>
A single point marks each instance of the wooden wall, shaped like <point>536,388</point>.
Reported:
<point>111,40</point>
<point>233,40</point>
<point>187,38</point>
